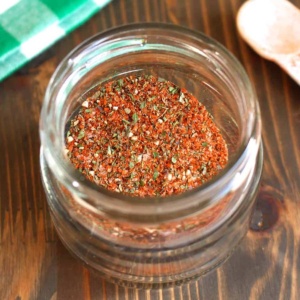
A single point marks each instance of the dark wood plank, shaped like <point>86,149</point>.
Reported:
<point>35,265</point>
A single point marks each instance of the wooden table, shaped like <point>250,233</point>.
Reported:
<point>35,265</point>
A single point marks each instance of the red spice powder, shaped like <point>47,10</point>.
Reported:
<point>145,136</point>
<point>145,234</point>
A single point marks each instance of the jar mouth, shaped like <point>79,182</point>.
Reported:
<point>117,41</point>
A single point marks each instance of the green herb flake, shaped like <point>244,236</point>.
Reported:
<point>142,105</point>
<point>151,98</point>
<point>126,121</point>
<point>131,97</point>
<point>88,110</point>
<point>174,160</point>
<point>120,82</point>
<point>135,117</point>
<point>81,134</point>
<point>175,123</point>
<point>155,174</point>
<point>204,144</point>
<point>173,90</point>
<point>155,154</point>
<point>109,152</point>
<point>131,164</point>
<point>142,182</point>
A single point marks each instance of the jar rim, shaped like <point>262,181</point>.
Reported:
<point>67,174</point>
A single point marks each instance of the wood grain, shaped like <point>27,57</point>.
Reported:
<point>35,265</point>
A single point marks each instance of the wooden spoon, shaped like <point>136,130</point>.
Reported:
<point>272,29</point>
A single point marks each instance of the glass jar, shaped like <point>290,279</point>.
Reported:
<point>153,241</point>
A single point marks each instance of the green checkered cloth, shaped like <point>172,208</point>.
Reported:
<point>28,27</point>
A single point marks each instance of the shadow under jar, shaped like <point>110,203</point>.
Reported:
<point>151,242</point>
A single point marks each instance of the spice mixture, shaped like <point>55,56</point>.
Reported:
<point>145,136</point>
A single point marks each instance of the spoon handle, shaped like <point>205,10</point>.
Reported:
<point>291,64</point>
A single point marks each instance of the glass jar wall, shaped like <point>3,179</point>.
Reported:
<point>153,241</point>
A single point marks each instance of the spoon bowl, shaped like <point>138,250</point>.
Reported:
<point>272,29</point>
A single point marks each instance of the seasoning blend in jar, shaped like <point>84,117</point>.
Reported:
<point>151,153</point>
<point>144,136</point>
